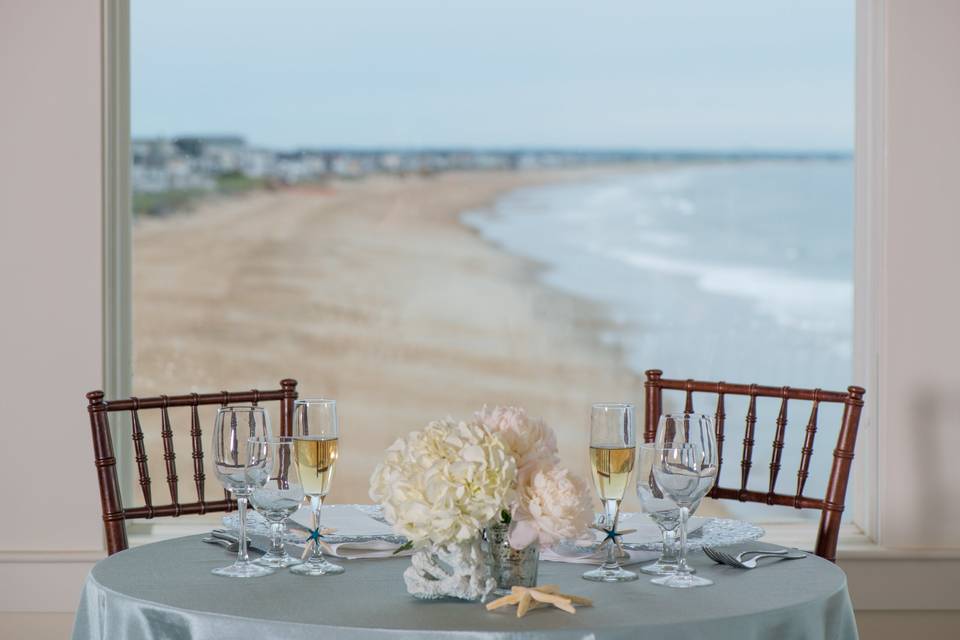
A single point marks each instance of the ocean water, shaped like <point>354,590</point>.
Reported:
<point>738,272</point>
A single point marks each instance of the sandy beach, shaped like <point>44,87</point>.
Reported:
<point>371,292</point>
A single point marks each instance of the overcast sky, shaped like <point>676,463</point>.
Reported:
<point>693,74</point>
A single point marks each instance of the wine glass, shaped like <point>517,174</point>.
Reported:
<point>279,499</point>
<point>613,442</point>
<point>662,510</point>
<point>685,469</point>
<point>242,465</point>
<point>316,449</point>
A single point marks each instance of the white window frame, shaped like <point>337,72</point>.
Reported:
<point>869,238</point>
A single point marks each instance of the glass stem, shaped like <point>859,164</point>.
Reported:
<point>669,554</point>
<point>243,556</point>
<point>612,508</point>
<point>276,546</point>
<point>316,502</point>
<point>682,567</point>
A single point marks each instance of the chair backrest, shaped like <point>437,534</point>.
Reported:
<point>111,503</point>
<point>831,505</point>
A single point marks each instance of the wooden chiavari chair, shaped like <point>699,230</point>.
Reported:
<point>114,513</point>
<point>831,505</point>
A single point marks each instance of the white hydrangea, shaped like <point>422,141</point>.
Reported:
<point>553,506</point>
<point>444,483</point>
<point>532,443</point>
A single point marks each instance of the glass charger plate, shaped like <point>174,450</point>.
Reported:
<point>258,525</point>
<point>715,532</point>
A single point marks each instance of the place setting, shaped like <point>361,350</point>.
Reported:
<point>477,505</point>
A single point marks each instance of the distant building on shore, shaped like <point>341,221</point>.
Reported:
<point>200,162</point>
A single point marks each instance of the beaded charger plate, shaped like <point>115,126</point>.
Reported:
<point>715,532</point>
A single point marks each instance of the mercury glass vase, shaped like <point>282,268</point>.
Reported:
<point>508,566</point>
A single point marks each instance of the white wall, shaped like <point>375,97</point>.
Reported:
<point>920,313</point>
<point>50,295</point>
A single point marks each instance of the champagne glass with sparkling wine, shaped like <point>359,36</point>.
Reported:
<point>613,442</point>
<point>685,469</point>
<point>316,435</point>
<point>242,465</point>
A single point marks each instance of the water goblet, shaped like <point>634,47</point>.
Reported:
<point>279,499</point>
<point>685,469</point>
<point>662,511</point>
<point>242,464</point>
<point>316,434</point>
<point>613,442</point>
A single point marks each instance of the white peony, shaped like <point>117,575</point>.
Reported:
<point>532,443</point>
<point>555,505</point>
<point>444,483</point>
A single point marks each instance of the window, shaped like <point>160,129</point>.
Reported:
<point>417,209</point>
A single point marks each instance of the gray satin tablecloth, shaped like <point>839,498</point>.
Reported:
<point>165,591</point>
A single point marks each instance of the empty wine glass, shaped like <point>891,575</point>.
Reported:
<point>279,499</point>
<point>685,469</point>
<point>613,442</point>
<point>316,434</point>
<point>242,464</point>
<point>662,510</point>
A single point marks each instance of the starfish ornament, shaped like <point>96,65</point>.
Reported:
<point>314,539</point>
<point>612,536</point>
<point>527,598</point>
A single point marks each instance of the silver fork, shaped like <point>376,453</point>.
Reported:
<point>737,561</point>
<point>739,556</point>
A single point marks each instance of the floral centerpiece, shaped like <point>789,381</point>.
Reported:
<point>443,485</point>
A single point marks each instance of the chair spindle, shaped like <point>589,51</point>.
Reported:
<point>778,440</point>
<point>143,470</point>
<point>746,462</point>
<point>806,453</point>
<point>196,441</point>
<point>169,457</point>
<point>719,418</point>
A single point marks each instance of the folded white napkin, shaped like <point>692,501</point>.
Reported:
<point>350,521</point>
<point>646,532</point>
<point>346,519</point>
<point>367,549</point>
<point>598,557</point>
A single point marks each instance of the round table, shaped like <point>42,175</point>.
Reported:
<point>165,590</point>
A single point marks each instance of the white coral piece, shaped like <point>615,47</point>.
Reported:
<point>456,570</point>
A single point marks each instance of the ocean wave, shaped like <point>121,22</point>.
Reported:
<point>797,302</point>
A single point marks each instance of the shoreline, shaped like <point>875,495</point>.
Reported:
<point>430,320</point>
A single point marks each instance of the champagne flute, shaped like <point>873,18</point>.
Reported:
<point>279,499</point>
<point>662,510</point>
<point>685,469</point>
<point>242,464</point>
<point>613,442</point>
<point>316,449</point>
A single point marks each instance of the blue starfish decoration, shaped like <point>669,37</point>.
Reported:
<point>316,538</point>
<point>612,536</point>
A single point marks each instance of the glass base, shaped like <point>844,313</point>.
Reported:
<point>682,581</point>
<point>617,574</point>
<point>242,570</point>
<point>662,568</point>
<point>270,560</point>
<point>317,567</point>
